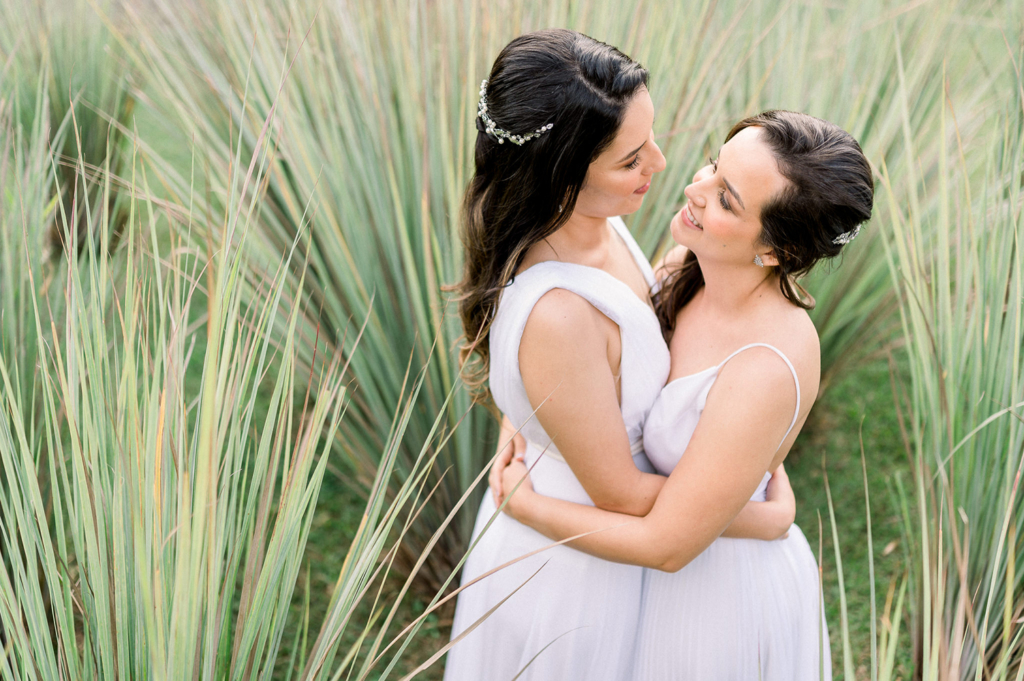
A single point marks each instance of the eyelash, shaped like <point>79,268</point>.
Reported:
<point>634,164</point>
<point>721,192</point>
<point>721,199</point>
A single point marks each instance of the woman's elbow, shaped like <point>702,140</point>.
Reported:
<point>671,564</point>
<point>668,561</point>
<point>627,505</point>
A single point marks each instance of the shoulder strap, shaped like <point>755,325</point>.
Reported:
<point>796,380</point>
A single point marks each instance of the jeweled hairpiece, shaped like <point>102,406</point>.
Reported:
<point>502,135</point>
<point>846,237</point>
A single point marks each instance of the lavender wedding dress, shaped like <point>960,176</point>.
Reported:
<point>573,616</point>
<point>744,608</point>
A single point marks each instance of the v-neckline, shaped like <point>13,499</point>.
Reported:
<point>694,375</point>
<point>634,254</point>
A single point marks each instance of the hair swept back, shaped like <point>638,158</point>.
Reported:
<point>831,191</point>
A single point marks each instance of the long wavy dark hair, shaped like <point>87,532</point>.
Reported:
<point>830,192</point>
<point>520,195</point>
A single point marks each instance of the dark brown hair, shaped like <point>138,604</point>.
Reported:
<point>830,192</point>
<point>520,195</point>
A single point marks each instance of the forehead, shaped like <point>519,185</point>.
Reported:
<point>748,164</point>
<point>634,131</point>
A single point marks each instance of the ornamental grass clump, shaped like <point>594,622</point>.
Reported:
<point>160,463</point>
<point>68,48</point>
<point>955,256</point>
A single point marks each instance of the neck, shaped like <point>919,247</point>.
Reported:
<point>733,289</point>
<point>581,233</point>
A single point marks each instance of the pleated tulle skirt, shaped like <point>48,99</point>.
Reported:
<point>572,617</point>
<point>742,610</point>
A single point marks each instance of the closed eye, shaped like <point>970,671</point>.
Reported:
<point>635,163</point>
<point>722,200</point>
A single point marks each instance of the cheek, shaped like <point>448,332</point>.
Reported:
<point>608,190</point>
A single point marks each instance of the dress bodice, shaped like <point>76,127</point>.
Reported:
<point>674,416</point>
<point>644,365</point>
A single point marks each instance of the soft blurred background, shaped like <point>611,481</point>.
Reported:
<point>233,438</point>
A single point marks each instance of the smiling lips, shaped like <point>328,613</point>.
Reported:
<point>643,190</point>
<point>689,217</point>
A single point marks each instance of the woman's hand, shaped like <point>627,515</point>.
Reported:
<point>510,444</point>
<point>780,494</point>
<point>516,473</point>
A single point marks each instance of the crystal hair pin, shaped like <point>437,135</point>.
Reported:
<point>846,237</point>
<point>502,135</point>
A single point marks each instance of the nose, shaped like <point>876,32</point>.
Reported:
<point>693,190</point>
<point>657,159</point>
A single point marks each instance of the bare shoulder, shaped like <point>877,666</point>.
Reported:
<point>792,333</point>
<point>561,322</point>
<point>797,337</point>
<point>758,370</point>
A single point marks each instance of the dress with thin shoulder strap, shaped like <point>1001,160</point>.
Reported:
<point>744,608</point>
<point>567,615</point>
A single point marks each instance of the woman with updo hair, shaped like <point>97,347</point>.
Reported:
<point>556,309</point>
<point>786,191</point>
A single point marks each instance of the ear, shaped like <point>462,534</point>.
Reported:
<point>769,259</point>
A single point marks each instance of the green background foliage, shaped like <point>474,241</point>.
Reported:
<point>227,230</point>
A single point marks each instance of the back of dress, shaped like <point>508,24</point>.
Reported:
<point>576,615</point>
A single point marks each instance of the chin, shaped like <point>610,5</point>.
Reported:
<point>632,206</point>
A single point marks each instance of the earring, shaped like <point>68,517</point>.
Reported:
<point>758,261</point>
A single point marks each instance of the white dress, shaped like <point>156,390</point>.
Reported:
<point>576,618</point>
<point>744,608</point>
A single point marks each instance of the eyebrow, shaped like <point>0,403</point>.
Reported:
<point>632,153</point>
<point>732,190</point>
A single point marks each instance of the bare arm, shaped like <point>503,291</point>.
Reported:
<point>564,361</point>
<point>735,442</point>
<point>766,520</point>
<point>769,519</point>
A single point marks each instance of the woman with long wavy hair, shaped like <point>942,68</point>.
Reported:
<point>556,309</point>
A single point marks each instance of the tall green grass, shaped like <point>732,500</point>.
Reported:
<point>950,212</point>
<point>65,47</point>
<point>162,450</point>
<point>955,254</point>
<point>373,105</point>
<point>169,407</point>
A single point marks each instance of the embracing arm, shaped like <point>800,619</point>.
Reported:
<point>564,361</point>
<point>766,520</point>
<point>734,443</point>
<point>769,519</point>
